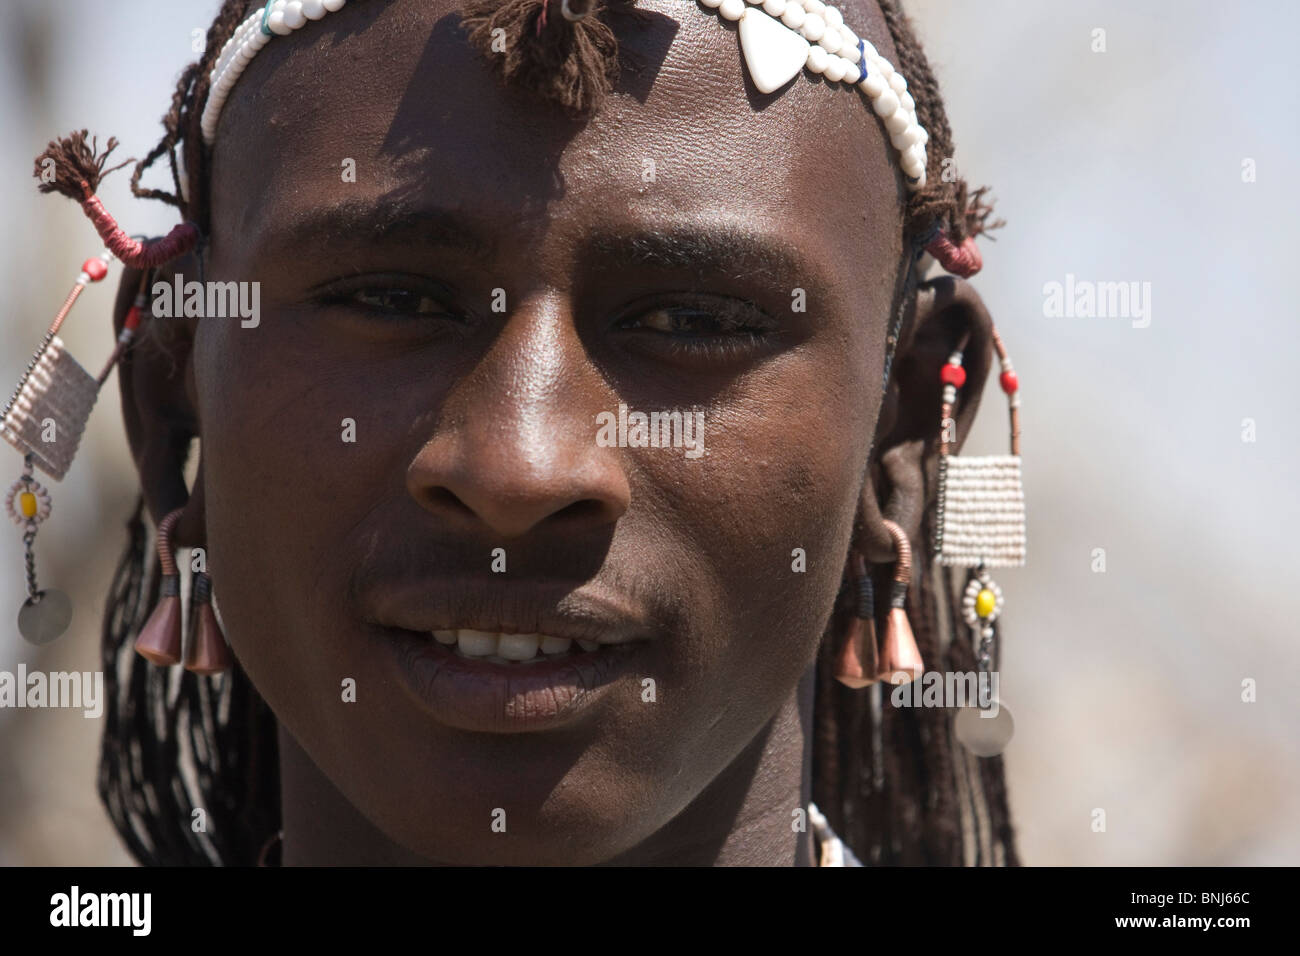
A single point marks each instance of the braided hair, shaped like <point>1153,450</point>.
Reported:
<point>893,782</point>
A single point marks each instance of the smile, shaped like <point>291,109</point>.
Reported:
<point>530,657</point>
<point>504,648</point>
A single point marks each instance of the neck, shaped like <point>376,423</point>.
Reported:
<point>743,818</point>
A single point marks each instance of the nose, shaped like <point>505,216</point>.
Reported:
<point>515,447</point>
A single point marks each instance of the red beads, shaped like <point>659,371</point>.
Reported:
<point>1009,382</point>
<point>95,269</point>
<point>953,375</point>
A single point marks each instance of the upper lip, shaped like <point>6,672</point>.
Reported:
<point>517,607</point>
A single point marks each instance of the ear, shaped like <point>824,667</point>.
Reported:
<point>947,315</point>
<point>156,382</point>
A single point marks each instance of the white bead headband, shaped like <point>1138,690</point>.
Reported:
<point>277,18</point>
<point>809,34</point>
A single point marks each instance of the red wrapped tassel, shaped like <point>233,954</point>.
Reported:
<point>73,167</point>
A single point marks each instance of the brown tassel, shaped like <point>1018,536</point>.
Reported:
<point>77,164</point>
<point>208,653</point>
<point>855,657</point>
<point>160,639</point>
<point>571,63</point>
<point>78,169</point>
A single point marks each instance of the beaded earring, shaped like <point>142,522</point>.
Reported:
<point>44,420</point>
<point>48,410</point>
<point>160,639</point>
<point>981,525</point>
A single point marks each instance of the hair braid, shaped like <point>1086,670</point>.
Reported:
<point>171,123</point>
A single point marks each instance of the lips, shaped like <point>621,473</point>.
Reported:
<point>509,660</point>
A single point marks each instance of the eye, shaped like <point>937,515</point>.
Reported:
<point>393,297</point>
<point>714,328</point>
<point>403,301</point>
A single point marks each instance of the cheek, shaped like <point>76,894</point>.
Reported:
<point>286,494</point>
<point>765,520</point>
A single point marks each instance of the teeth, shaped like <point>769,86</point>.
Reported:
<point>517,647</point>
<point>512,648</point>
<point>554,645</point>
<point>476,643</point>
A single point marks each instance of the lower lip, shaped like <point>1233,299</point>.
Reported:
<point>486,696</point>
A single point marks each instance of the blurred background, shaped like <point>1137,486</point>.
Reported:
<point>1152,143</point>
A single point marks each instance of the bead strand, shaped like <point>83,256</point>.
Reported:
<point>839,55</point>
<point>277,18</point>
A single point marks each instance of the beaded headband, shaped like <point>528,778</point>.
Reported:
<point>809,34</point>
<point>778,38</point>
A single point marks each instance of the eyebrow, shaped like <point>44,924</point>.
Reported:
<point>726,249</point>
<point>739,252</point>
<point>361,222</point>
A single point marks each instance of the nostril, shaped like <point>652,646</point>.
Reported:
<point>585,510</point>
<point>445,499</point>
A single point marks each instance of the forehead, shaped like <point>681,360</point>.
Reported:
<point>394,89</point>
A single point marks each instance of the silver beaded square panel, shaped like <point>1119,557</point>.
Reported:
<point>50,410</point>
<point>982,502</point>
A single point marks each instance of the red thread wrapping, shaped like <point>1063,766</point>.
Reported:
<point>964,260</point>
<point>133,252</point>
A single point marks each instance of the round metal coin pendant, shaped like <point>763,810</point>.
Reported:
<point>45,617</point>
<point>985,733</point>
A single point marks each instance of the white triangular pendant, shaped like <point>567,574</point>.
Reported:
<point>773,52</point>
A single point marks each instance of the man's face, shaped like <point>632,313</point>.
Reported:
<point>438,336</point>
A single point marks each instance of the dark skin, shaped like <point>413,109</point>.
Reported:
<point>475,429</point>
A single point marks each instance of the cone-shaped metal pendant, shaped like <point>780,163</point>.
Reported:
<point>855,657</point>
<point>208,653</point>
<point>855,660</point>
<point>160,639</point>
<point>900,658</point>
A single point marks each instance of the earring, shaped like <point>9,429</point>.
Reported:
<point>981,506</point>
<point>855,657</point>
<point>160,639</point>
<point>981,524</point>
<point>44,419</point>
<point>859,659</point>
<point>899,655</point>
<point>208,652</point>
